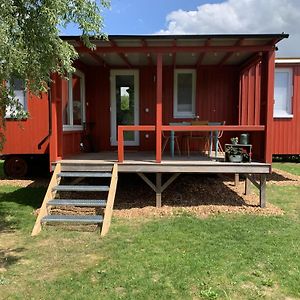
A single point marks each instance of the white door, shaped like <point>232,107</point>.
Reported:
<point>124,88</point>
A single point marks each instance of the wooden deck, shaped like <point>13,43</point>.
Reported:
<point>136,162</point>
<point>144,162</point>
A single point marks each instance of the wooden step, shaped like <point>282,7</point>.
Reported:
<point>72,219</point>
<point>81,188</point>
<point>77,202</point>
<point>85,167</point>
<point>84,174</point>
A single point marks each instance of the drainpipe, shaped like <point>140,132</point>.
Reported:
<point>49,122</point>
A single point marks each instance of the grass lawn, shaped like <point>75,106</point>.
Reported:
<point>293,168</point>
<point>181,257</point>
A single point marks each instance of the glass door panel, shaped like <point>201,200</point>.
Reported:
<point>124,104</point>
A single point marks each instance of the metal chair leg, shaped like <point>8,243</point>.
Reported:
<point>177,144</point>
<point>165,144</point>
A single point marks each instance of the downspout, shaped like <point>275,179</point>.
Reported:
<point>49,122</point>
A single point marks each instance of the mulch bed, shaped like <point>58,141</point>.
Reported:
<point>202,195</point>
<point>199,194</point>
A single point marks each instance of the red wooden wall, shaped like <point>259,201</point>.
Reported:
<point>287,131</point>
<point>216,100</point>
<point>250,96</point>
<point>23,137</point>
<point>250,109</point>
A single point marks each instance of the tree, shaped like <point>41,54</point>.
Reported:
<point>30,46</point>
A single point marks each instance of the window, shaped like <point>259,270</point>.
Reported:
<point>19,102</point>
<point>184,93</point>
<point>73,104</point>
<point>283,93</point>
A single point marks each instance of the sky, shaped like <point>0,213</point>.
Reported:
<point>205,17</point>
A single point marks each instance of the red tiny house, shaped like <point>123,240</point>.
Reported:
<point>234,83</point>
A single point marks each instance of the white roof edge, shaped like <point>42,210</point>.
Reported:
<point>287,60</point>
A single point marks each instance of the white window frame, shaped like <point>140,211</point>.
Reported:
<point>8,113</point>
<point>113,107</point>
<point>289,104</point>
<point>184,114</point>
<point>71,127</point>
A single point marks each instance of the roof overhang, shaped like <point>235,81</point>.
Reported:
<point>177,50</point>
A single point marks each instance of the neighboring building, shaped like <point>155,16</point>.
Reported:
<point>286,116</point>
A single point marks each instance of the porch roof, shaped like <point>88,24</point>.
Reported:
<point>179,50</point>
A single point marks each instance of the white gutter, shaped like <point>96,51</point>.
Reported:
<point>287,61</point>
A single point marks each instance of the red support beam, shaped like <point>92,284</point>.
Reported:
<point>98,59</point>
<point>250,62</point>
<point>120,53</point>
<point>268,82</point>
<point>53,137</point>
<point>150,62</point>
<point>120,144</point>
<point>201,56</point>
<point>174,54</point>
<point>229,54</point>
<point>158,125</point>
<point>171,49</point>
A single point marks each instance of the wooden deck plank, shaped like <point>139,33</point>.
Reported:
<point>144,162</point>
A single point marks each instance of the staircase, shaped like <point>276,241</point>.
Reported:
<point>68,179</point>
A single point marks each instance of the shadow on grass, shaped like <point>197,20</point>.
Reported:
<point>186,190</point>
<point>10,257</point>
<point>278,177</point>
<point>17,204</point>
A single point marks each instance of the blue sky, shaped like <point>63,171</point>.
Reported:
<point>143,16</point>
<point>205,17</point>
<point>140,16</point>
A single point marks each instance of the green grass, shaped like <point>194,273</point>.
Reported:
<point>293,168</point>
<point>182,257</point>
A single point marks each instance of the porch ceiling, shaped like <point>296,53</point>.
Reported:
<point>177,50</point>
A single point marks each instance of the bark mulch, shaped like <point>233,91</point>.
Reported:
<point>202,195</point>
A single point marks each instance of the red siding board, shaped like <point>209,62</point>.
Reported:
<point>23,137</point>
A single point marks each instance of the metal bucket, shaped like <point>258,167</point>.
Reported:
<point>244,138</point>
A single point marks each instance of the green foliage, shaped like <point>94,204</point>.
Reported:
<point>30,46</point>
<point>124,102</point>
<point>233,151</point>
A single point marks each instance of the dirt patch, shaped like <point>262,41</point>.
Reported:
<point>39,182</point>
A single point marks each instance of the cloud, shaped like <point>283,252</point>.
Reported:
<point>241,16</point>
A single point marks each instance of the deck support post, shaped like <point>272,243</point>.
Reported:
<point>158,190</point>
<point>262,191</point>
<point>247,185</point>
<point>236,179</point>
